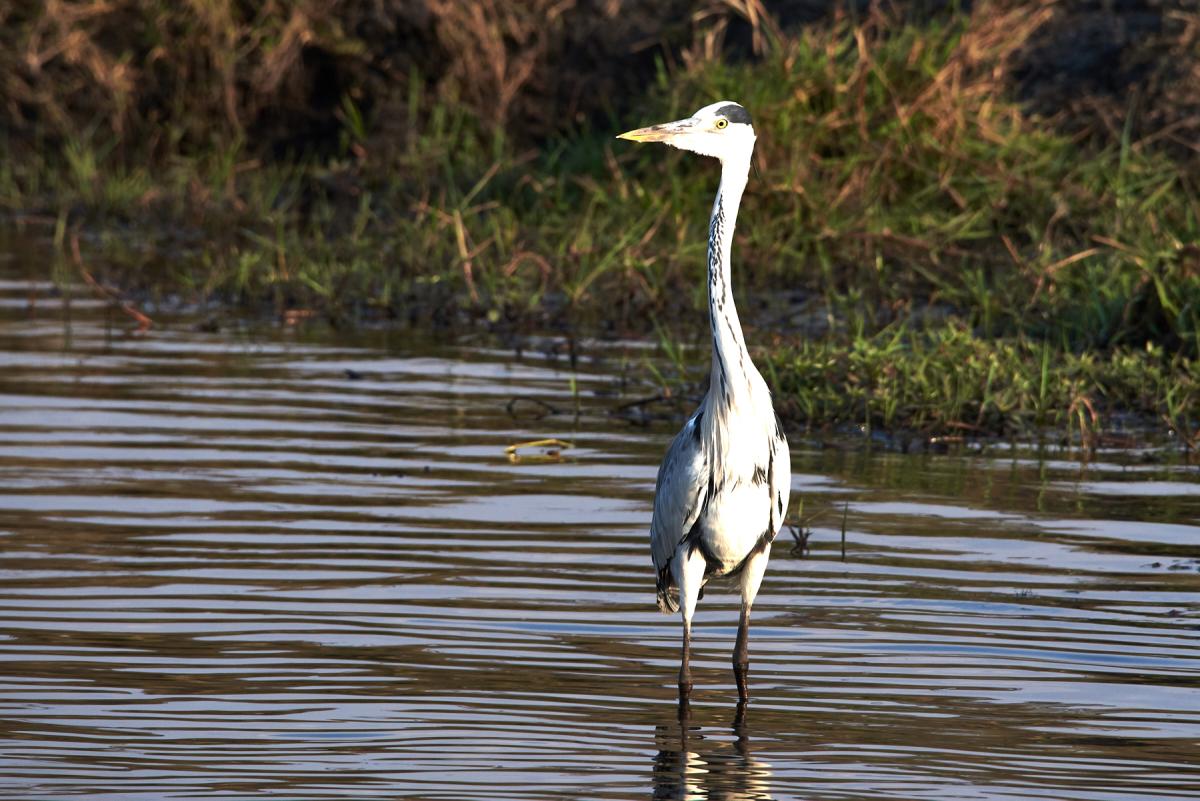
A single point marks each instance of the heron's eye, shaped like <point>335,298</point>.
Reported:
<point>721,123</point>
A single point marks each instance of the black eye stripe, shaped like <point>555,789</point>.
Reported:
<point>734,113</point>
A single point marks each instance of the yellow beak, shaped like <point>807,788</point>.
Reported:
<point>657,133</point>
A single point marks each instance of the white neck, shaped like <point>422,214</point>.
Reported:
<point>732,370</point>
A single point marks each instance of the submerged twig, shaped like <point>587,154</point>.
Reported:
<point>552,455</point>
<point>800,532</point>
<point>511,407</point>
<point>126,306</point>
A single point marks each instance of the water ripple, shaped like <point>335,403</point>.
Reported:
<point>309,570</point>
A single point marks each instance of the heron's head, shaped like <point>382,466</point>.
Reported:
<point>721,130</point>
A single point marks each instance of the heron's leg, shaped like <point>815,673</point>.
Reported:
<point>752,574</point>
<point>688,569</point>
<point>685,668</point>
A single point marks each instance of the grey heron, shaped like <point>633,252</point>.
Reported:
<point>723,486</point>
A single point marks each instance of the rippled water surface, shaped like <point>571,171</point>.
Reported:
<point>238,566</point>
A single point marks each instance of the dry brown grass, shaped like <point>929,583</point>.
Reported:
<point>157,78</point>
<point>1105,71</point>
<point>178,76</point>
<point>60,69</point>
<point>142,71</point>
<point>496,48</point>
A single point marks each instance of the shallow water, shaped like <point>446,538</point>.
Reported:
<point>232,568</point>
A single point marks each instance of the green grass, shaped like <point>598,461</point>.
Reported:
<point>947,379</point>
<point>955,267</point>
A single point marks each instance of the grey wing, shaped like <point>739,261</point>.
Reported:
<point>679,492</point>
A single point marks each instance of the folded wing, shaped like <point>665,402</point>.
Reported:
<point>679,493</point>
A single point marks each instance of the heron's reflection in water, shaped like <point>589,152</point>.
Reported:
<point>690,765</point>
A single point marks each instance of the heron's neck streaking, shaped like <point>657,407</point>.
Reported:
<point>731,362</point>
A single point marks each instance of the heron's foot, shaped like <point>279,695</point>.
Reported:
<point>685,682</point>
<point>685,706</point>
<point>741,657</point>
<point>739,720</point>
